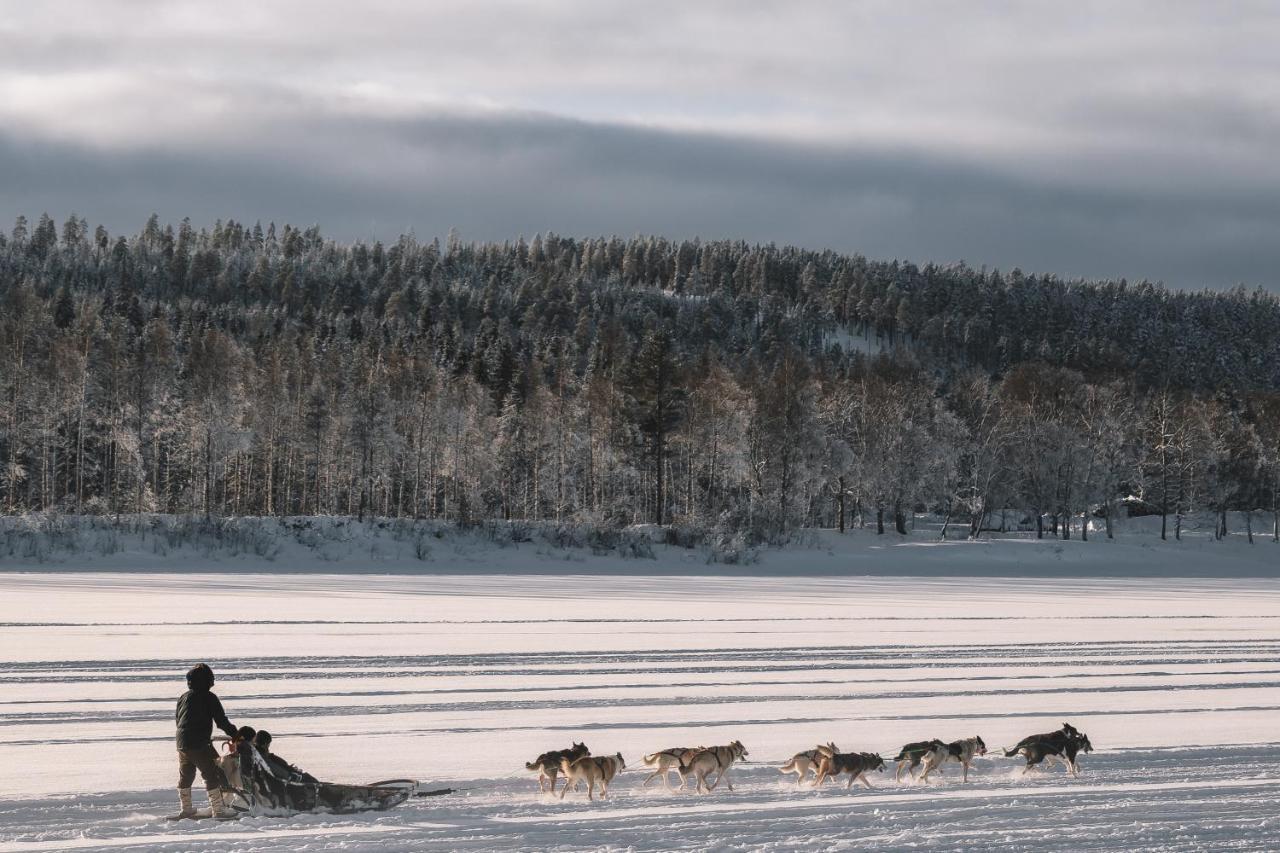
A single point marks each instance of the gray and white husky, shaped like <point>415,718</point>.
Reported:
<point>716,759</point>
<point>960,751</point>
<point>666,760</point>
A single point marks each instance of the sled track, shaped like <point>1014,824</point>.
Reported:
<point>1129,802</point>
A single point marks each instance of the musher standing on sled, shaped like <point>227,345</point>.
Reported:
<point>198,710</point>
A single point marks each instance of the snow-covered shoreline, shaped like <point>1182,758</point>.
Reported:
<point>326,544</point>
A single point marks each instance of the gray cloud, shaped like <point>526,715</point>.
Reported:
<point>1136,142</point>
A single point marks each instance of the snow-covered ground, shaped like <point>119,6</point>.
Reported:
<point>458,679</point>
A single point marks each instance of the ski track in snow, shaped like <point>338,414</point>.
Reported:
<point>458,680</point>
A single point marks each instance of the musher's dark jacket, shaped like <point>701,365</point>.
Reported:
<point>198,710</point>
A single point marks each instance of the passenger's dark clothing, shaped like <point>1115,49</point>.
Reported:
<point>284,769</point>
<point>205,759</point>
<point>273,783</point>
<point>198,710</point>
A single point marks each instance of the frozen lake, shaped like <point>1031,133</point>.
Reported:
<point>458,680</point>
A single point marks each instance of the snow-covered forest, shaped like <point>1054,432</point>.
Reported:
<point>748,390</point>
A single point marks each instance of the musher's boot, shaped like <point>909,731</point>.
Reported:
<point>218,805</point>
<point>188,810</point>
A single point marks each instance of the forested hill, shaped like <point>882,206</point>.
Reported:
<point>251,370</point>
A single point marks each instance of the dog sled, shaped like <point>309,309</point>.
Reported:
<point>275,788</point>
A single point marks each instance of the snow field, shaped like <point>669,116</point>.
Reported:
<point>458,680</point>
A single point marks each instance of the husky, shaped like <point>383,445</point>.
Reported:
<point>229,763</point>
<point>1063,745</point>
<point>548,764</point>
<point>910,756</point>
<point>667,760</point>
<point>856,764</point>
<point>716,759</point>
<point>592,769</point>
<point>804,762</point>
<point>961,751</point>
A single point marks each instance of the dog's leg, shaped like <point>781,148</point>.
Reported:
<point>564,789</point>
<point>865,781</point>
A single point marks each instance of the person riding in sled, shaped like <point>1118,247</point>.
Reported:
<point>198,710</point>
<point>278,765</point>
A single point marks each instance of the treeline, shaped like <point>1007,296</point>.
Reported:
<point>743,388</point>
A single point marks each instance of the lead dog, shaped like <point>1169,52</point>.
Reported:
<point>1063,745</point>
<point>804,762</point>
<point>592,769</point>
<point>716,759</point>
<point>961,751</point>
<point>856,764</point>
<point>548,764</point>
<point>667,760</point>
<point>912,754</point>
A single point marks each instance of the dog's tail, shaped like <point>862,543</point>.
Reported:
<point>789,767</point>
<point>532,765</point>
<point>651,758</point>
<point>1010,753</point>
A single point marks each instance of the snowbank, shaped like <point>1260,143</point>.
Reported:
<point>400,546</point>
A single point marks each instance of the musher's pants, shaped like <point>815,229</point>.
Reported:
<point>202,758</point>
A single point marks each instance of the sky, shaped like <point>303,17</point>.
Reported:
<point>1098,139</point>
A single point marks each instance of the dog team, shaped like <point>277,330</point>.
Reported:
<point>826,761</point>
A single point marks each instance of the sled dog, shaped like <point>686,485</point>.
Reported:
<point>230,765</point>
<point>592,769</point>
<point>856,764</point>
<point>910,756</point>
<point>715,759</point>
<point>667,760</point>
<point>961,751</point>
<point>804,762</point>
<point>1063,745</point>
<point>548,764</point>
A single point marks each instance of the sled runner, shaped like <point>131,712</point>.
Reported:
<point>200,815</point>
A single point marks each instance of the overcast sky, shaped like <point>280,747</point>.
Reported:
<point>1100,139</point>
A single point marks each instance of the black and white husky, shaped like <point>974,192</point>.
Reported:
<point>1063,745</point>
<point>856,764</point>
